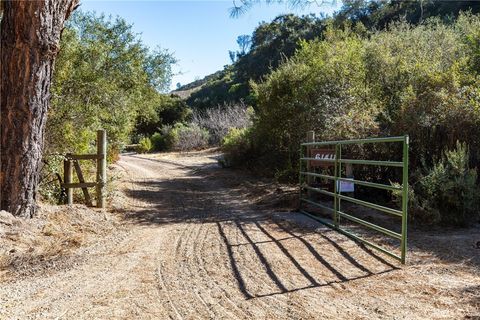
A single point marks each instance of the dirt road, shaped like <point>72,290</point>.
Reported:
<point>195,246</point>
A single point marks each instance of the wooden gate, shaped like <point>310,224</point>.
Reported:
<point>72,161</point>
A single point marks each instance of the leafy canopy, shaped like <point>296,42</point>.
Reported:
<point>105,77</point>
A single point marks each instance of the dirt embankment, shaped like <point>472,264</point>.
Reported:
<point>189,240</point>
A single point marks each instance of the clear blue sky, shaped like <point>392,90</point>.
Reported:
<point>198,33</point>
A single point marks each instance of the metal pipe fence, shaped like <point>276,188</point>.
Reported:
<point>335,160</point>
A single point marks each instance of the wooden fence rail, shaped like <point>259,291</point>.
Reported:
<point>72,161</point>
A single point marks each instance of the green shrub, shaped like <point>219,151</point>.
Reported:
<point>417,80</point>
<point>450,188</point>
<point>169,110</point>
<point>447,193</point>
<point>183,138</point>
<point>159,142</point>
<point>236,146</point>
<point>323,88</point>
<point>144,145</point>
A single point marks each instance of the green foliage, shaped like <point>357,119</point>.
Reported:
<point>104,78</point>
<point>275,42</point>
<point>236,146</point>
<point>426,83</point>
<point>159,142</point>
<point>321,89</point>
<point>378,14</point>
<point>183,137</point>
<point>448,192</point>
<point>417,80</point>
<point>169,110</point>
<point>450,188</point>
<point>144,145</point>
<point>223,88</point>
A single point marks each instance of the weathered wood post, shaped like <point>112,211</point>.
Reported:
<point>310,179</point>
<point>67,178</point>
<point>101,167</point>
<point>81,179</point>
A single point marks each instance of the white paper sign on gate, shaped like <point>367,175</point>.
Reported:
<point>346,186</point>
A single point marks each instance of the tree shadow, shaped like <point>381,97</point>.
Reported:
<point>209,194</point>
<point>267,268</point>
<point>449,244</point>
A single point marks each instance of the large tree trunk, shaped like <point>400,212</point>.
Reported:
<point>30,38</point>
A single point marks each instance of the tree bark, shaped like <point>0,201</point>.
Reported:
<point>30,40</point>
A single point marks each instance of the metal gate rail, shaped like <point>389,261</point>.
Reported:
<point>337,162</point>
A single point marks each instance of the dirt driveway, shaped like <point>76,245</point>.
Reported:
<point>196,245</point>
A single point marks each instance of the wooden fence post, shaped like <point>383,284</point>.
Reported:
<point>81,179</point>
<point>101,167</point>
<point>67,178</point>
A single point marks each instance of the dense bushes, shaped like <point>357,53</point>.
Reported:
<point>205,128</point>
<point>447,193</point>
<point>105,77</point>
<point>169,109</point>
<point>236,146</point>
<point>179,137</point>
<point>423,81</point>
<point>321,89</point>
<point>183,138</point>
<point>428,85</point>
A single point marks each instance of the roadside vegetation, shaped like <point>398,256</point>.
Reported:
<point>105,77</point>
<point>373,69</point>
<point>417,80</point>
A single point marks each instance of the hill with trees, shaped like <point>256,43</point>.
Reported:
<point>275,42</point>
<point>376,68</point>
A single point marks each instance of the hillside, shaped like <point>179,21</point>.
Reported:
<point>275,42</point>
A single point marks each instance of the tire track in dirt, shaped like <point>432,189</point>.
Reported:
<point>196,248</point>
<point>163,288</point>
<point>217,299</point>
<point>190,279</point>
<point>269,293</point>
<point>257,278</point>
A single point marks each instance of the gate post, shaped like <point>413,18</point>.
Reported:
<point>67,178</point>
<point>404,199</point>
<point>310,138</point>
<point>336,187</point>
<point>101,167</point>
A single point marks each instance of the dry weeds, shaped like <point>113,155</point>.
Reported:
<point>27,246</point>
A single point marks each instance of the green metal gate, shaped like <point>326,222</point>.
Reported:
<point>335,160</point>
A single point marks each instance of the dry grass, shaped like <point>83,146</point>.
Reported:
<point>55,233</point>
